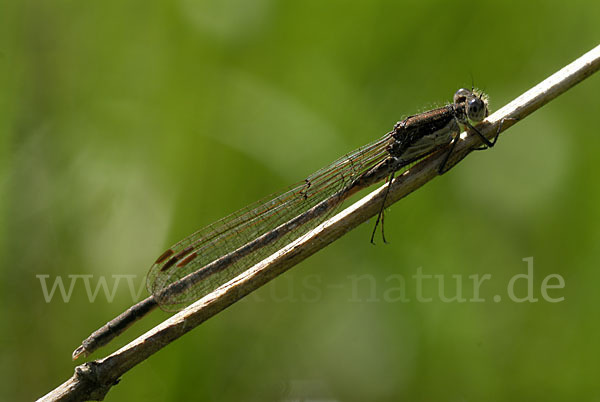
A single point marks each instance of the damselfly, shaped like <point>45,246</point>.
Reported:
<point>219,252</point>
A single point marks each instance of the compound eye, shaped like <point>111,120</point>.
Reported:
<point>461,95</point>
<point>476,109</point>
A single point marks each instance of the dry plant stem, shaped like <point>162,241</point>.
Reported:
<point>92,380</point>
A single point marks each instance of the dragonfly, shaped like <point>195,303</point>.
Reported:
<point>219,252</point>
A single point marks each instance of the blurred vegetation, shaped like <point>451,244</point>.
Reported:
<point>125,126</point>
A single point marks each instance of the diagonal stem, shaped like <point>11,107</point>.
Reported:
<point>94,379</point>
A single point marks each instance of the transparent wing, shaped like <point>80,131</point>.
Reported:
<point>234,231</point>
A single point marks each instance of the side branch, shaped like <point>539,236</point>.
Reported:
<point>93,380</point>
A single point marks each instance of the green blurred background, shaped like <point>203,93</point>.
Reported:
<point>125,126</point>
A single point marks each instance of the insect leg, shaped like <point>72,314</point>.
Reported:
<point>380,215</point>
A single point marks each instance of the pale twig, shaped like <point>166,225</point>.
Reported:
<point>92,380</point>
